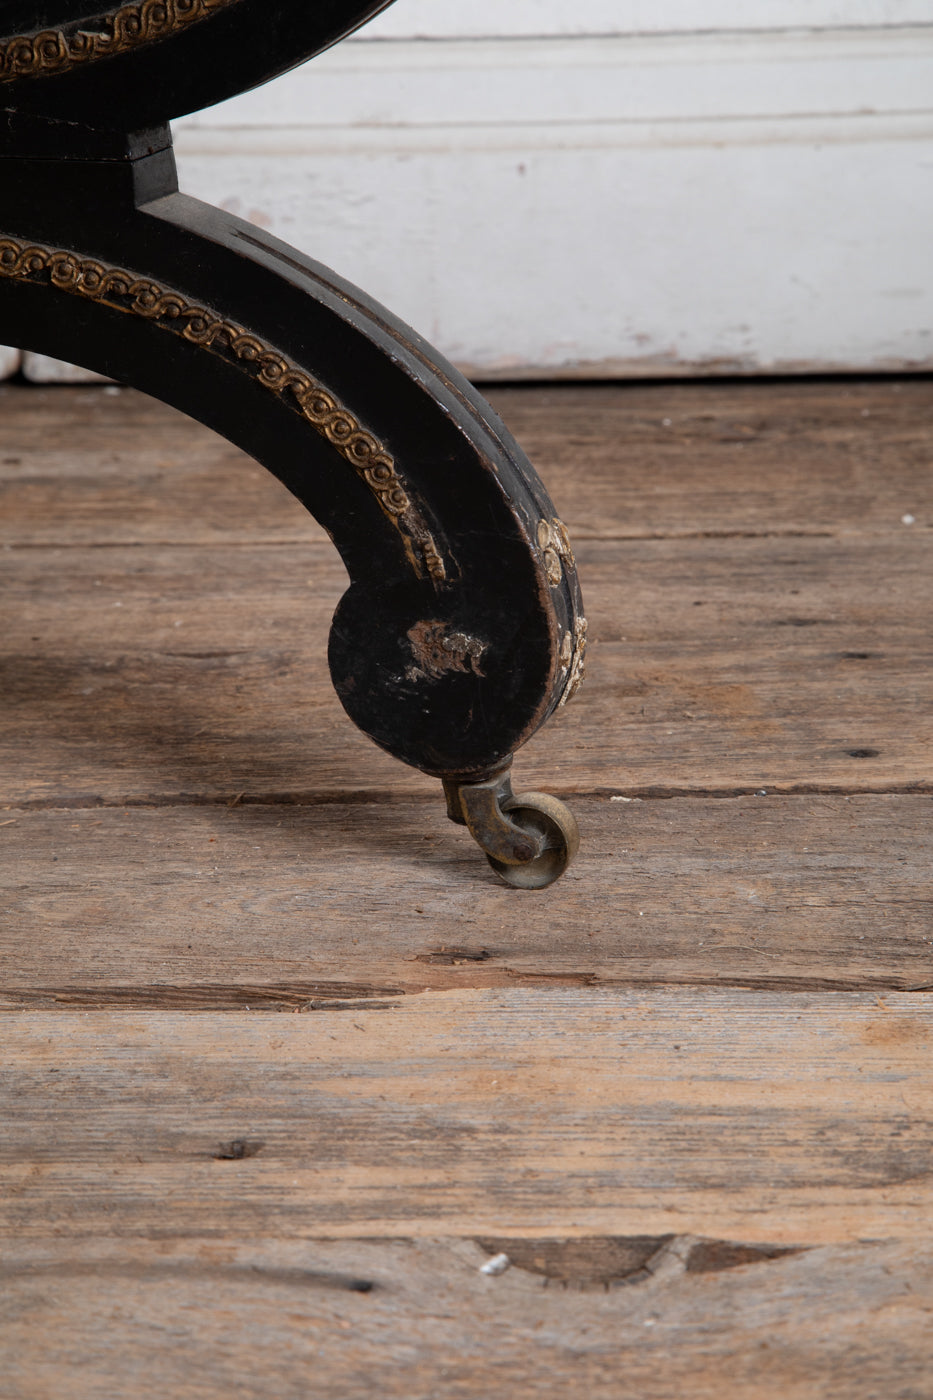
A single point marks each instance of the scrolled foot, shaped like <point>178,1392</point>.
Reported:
<point>529,838</point>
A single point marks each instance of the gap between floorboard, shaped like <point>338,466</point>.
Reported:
<point>387,797</point>
<point>304,998</point>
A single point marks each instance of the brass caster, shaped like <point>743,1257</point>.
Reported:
<point>529,838</point>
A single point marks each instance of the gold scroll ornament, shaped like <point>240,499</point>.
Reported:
<point>53,51</point>
<point>120,290</point>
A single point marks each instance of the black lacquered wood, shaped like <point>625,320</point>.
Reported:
<point>156,59</point>
<point>461,628</point>
<point>446,648</point>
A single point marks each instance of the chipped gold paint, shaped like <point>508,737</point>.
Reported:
<point>554,544</point>
<point>578,665</point>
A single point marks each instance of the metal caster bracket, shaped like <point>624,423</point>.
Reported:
<point>462,628</point>
<point>529,838</point>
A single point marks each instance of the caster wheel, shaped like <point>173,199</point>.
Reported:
<point>545,817</point>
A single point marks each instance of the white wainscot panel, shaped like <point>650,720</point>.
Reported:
<point>735,203</point>
<point>640,260</point>
<point>559,82</point>
<point>480,18</point>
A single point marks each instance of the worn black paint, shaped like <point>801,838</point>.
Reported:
<point>86,165</point>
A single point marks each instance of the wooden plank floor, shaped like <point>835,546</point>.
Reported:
<point>284,1065</point>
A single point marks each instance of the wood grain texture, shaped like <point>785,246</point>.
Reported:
<point>750,1116</point>
<point>415,1319</point>
<point>714,666</point>
<point>115,467</point>
<point>710,1041</point>
<point>216,907</point>
<point>784,458</point>
<point>775,636</point>
<point>620,461</point>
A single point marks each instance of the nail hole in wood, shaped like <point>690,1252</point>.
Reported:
<point>237,1149</point>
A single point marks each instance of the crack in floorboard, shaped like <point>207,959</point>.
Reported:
<point>304,997</point>
<point>390,797</point>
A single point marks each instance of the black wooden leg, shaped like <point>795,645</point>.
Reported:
<point>462,628</point>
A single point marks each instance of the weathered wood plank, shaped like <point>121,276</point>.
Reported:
<point>621,461</point>
<point>170,1170</point>
<point>715,666</point>
<point>755,1116</point>
<point>415,1319</point>
<point>92,467</point>
<point>210,907</point>
<point>786,458</point>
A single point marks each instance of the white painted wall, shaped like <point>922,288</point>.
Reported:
<point>610,187</point>
<point>481,18</point>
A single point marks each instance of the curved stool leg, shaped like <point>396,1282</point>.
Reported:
<point>462,628</point>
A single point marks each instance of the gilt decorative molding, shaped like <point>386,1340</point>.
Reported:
<point>65,271</point>
<point>119,31</point>
<point>573,660</point>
